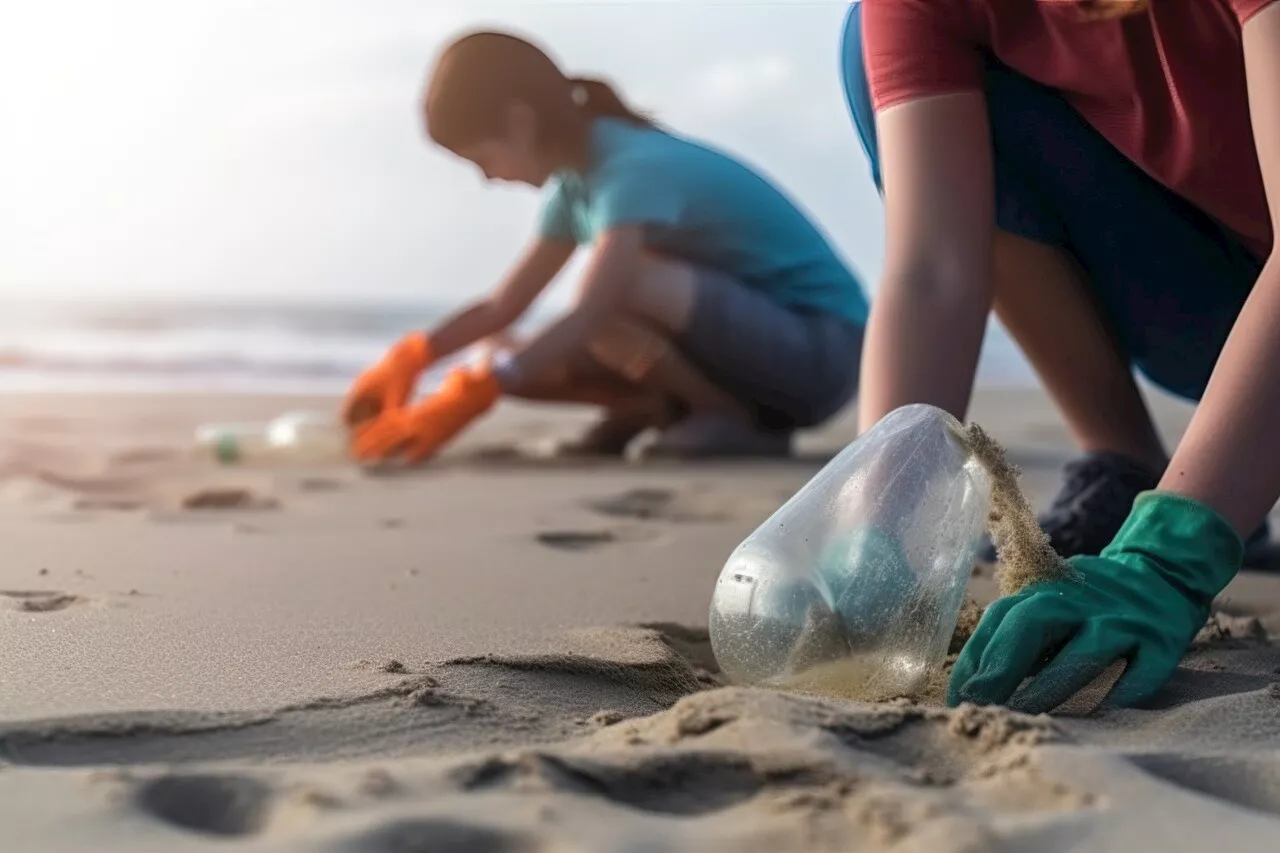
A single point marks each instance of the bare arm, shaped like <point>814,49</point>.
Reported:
<point>1222,459</point>
<point>929,314</point>
<point>614,264</point>
<point>530,276</point>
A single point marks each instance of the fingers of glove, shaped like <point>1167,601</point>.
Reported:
<point>1031,630</point>
<point>428,440</point>
<point>360,408</point>
<point>439,424</point>
<point>376,391</point>
<point>381,439</point>
<point>388,384</point>
<point>1149,669</point>
<point>1094,648</point>
<point>971,655</point>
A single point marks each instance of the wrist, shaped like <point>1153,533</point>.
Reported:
<point>1191,541</point>
<point>506,371</point>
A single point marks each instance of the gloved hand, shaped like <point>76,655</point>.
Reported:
<point>415,433</point>
<point>1143,599</point>
<point>389,383</point>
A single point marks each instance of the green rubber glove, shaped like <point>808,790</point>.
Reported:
<point>1143,599</point>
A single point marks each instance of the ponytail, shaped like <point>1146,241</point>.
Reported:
<point>597,99</point>
<point>478,76</point>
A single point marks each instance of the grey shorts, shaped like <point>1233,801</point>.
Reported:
<point>792,368</point>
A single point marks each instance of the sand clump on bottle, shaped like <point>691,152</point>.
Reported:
<point>1023,549</point>
<point>855,586</point>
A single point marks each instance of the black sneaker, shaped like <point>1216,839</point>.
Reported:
<point>715,436</point>
<point>1095,500</point>
<point>617,428</point>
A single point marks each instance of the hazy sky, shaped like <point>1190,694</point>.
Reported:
<point>272,147</point>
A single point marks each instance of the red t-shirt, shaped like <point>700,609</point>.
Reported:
<point>1165,86</point>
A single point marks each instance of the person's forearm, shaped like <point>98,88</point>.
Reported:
<point>922,345</point>
<point>472,324</point>
<point>613,268</point>
<point>506,304</point>
<point>1223,458</point>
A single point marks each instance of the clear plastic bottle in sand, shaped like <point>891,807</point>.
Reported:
<point>853,587</point>
<point>295,437</point>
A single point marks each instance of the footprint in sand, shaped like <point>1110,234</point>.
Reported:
<point>443,835</point>
<point>39,600</point>
<point>587,540</point>
<point>576,540</point>
<point>227,498</point>
<point>660,505</point>
<point>679,783</point>
<point>213,805</point>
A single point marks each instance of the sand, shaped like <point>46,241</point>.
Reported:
<point>509,653</point>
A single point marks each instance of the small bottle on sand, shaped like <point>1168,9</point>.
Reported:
<point>295,437</point>
<point>854,586</point>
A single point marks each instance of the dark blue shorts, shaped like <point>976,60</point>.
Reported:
<point>1168,278</point>
<point>792,368</point>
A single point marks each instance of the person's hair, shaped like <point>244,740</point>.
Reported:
<point>480,74</point>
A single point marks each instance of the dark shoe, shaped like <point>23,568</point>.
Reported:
<point>1259,552</point>
<point>608,437</point>
<point>612,434</point>
<point>1095,498</point>
<point>1097,493</point>
<point>708,436</point>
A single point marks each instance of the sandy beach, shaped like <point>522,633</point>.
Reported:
<point>506,654</point>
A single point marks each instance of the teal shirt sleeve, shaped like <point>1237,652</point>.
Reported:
<point>555,221</point>
<point>634,196</point>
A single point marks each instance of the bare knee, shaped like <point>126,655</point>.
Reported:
<point>628,347</point>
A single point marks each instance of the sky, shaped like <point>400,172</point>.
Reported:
<point>272,149</point>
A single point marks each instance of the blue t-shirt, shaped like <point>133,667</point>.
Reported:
<point>705,208</point>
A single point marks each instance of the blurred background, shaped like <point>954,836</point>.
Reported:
<point>237,195</point>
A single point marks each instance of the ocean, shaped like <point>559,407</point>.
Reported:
<point>242,347</point>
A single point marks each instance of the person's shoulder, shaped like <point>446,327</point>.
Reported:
<point>615,137</point>
<point>622,147</point>
<point>996,7</point>
<point>933,5</point>
<point>952,13</point>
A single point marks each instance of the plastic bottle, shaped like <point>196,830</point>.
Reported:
<point>853,586</point>
<point>296,437</point>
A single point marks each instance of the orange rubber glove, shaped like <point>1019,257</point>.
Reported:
<point>389,383</point>
<point>416,433</point>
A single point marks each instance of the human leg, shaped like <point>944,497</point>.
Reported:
<point>790,369</point>
<point>628,407</point>
<point>1055,323</point>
